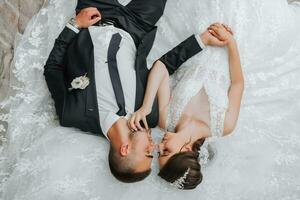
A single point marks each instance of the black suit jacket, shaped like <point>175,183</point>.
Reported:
<point>73,56</point>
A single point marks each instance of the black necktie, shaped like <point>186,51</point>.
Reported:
<point>114,72</point>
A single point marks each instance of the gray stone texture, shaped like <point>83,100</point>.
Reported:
<point>14,16</point>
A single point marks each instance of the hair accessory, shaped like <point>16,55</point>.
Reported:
<point>179,183</point>
<point>203,155</point>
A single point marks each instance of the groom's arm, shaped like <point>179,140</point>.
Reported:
<point>182,52</point>
<point>55,67</point>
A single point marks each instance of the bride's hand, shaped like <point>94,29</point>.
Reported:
<point>87,17</point>
<point>228,29</point>
<point>209,39</point>
<point>222,32</point>
<point>137,117</point>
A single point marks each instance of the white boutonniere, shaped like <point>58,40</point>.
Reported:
<point>80,82</point>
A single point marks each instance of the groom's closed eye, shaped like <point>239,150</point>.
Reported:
<point>149,155</point>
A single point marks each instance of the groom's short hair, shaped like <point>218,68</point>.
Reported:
<point>123,168</point>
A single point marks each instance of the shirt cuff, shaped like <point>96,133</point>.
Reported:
<point>107,120</point>
<point>73,28</point>
<point>200,42</point>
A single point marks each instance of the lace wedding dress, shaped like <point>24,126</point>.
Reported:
<point>209,87</point>
<point>42,161</point>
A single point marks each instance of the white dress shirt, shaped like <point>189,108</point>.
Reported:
<point>126,56</point>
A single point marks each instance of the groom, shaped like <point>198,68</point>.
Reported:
<point>97,74</point>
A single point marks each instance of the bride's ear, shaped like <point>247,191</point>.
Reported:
<point>125,149</point>
<point>188,148</point>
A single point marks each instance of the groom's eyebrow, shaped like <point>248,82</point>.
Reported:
<point>132,133</point>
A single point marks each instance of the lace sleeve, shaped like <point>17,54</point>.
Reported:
<point>216,86</point>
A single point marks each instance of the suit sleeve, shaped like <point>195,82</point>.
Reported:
<point>181,53</point>
<point>54,69</point>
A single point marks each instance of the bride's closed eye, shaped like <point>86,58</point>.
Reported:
<point>164,152</point>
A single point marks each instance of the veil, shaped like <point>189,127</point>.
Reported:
<point>40,160</point>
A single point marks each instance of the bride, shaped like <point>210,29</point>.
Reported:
<point>185,113</point>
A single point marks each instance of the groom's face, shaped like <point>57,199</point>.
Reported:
<point>142,149</point>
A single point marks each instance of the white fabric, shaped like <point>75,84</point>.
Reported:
<point>42,161</point>
<point>191,81</point>
<point>199,40</point>
<point>73,28</point>
<point>107,103</point>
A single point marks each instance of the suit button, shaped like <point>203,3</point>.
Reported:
<point>91,110</point>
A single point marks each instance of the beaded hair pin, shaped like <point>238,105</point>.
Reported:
<point>179,183</point>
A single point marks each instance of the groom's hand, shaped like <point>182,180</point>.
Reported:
<point>87,17</point>
<point>134,122</point>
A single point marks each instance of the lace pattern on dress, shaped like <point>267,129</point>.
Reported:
<point>216,87</point>
<point>186,83</point>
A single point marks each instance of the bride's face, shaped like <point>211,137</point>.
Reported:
<point>173,143</point>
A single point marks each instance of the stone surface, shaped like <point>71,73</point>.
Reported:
<point>14,16</point>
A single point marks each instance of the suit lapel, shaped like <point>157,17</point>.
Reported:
<point>82,62</point>
<point>91,97</point>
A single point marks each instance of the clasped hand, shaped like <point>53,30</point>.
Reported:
<point>218,35</point>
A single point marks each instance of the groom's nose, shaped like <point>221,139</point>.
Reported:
<point>152,147</point>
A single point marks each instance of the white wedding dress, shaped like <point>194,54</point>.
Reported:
<point>199,90</point>
<point>42,161</point>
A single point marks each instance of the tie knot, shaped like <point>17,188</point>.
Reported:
<point>114,46</point>
<point>116,38</point>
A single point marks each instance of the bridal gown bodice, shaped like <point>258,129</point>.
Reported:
<point>40,160</point>
<point>200,93</point>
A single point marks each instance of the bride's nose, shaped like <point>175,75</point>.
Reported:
<point>160,147</point>
<point>167,135</point>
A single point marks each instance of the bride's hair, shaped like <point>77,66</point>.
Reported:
<point>184,164</point>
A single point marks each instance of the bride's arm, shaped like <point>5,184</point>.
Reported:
<point>157,85</point>
<point>236,88</point>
